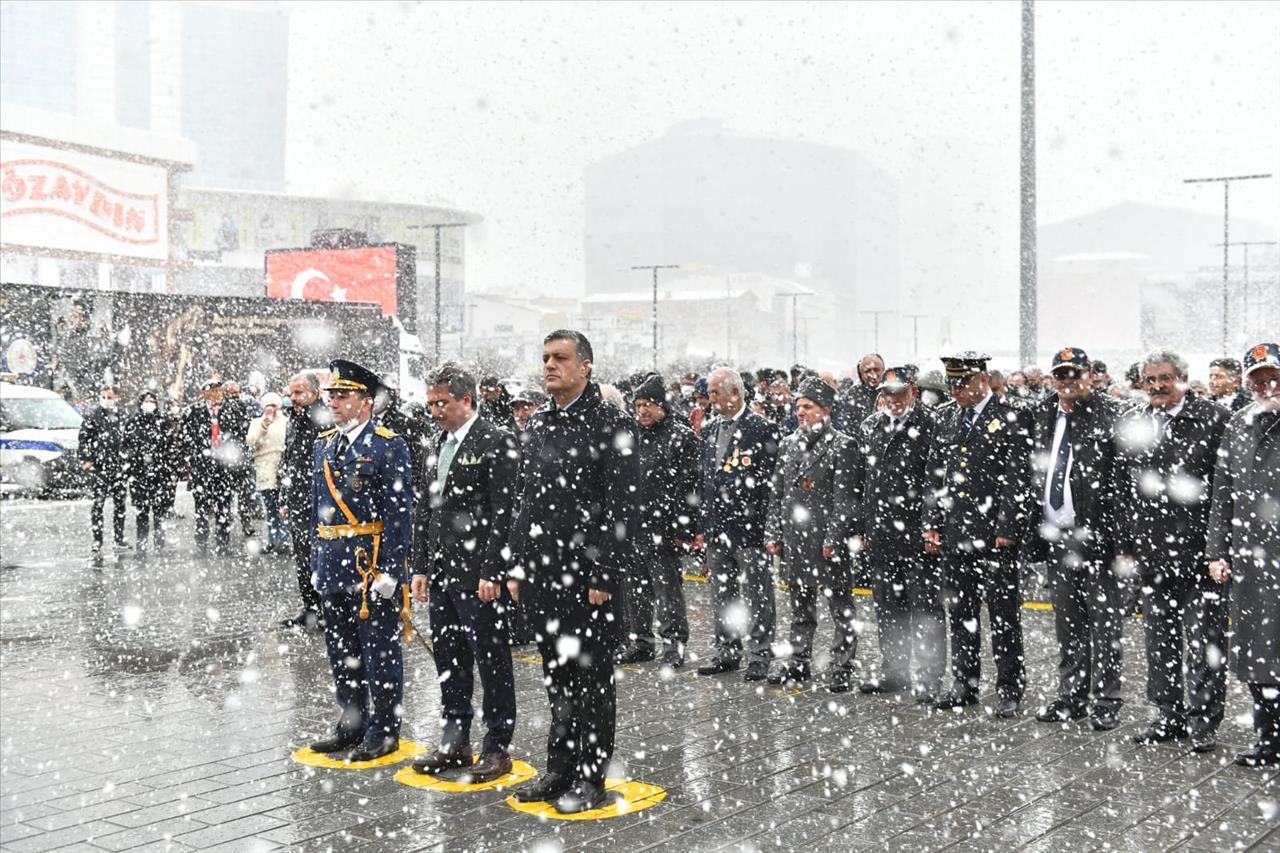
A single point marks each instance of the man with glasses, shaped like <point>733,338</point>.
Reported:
<point>1166,449</point>
<point>1244,545</point>
<point>1072,474</point>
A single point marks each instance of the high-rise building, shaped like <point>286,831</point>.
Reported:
<point>216,75</point>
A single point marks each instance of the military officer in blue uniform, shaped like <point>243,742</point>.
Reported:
<point>362,512</point>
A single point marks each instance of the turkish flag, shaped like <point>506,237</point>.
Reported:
<point>335,275</point>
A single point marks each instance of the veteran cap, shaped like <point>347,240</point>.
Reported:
<point>963,365</point>
<point>348,376</point>
<point>898,378</point>
<point>1070,357</point>
<point>1262,355</point>
<point>817,391</point>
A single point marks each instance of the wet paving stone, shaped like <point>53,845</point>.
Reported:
<point>152,704</point>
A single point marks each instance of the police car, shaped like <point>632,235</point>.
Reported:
<point>39,437</point>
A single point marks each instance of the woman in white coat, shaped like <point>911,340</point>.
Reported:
<point>266,442</point>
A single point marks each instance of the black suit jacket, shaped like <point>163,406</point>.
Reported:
<point>735,492</point>
<point>1166,485</point>
<point>979,489</point>
<point>1093,478</point>
<point>897,481</point>
<point>460,533</point>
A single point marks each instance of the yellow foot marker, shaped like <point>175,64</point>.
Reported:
<point>630,796</point>
<point>520,772</point>
<point>311,758</point>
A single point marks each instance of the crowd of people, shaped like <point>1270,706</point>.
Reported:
<point>564,516</point>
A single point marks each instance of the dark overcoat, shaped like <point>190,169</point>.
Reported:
<point>813,504</point>
<point>576,516</point>
<point>101,443</point>
<point>669,497</point>
<point>895,484</point>
<point>151,457</point>
<point>1244,528</point>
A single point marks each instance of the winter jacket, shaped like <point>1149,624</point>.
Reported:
<point>266,443</point>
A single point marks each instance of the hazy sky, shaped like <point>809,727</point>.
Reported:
<point>498,108</point>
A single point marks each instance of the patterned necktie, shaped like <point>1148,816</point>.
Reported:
<point>1058,485</point>
<point>340,448</point>
<point>722,440</point>
<point>215,431</point>
<point>445,461</point>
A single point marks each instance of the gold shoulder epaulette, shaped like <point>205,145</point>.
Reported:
<point>383,431</point>
<point>327,433</point>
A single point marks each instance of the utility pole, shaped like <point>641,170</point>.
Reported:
<point>1245,291</point>
<point>1226,235</point>
<point>875,325</point>
<point>438,229</point>
<point>795,327</point>
<point>915,333</point>
<point>1027,322</point>
<point>655,268</point>
<point>728,321</point>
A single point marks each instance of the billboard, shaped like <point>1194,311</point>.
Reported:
<point>70,201</point>
<point>383,275</point>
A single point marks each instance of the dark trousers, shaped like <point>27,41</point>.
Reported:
<point>1188,688</point>
<point>804,624</point>
<point>971,577</point>
<point>468,634</point>
<point>148,519</point>
<point>584,705</point>
<point>277,535</point>
<point>103,490</point>
<point>656,587</point>
<point>1088,611</point>
<point>365,659</point>
<point>246,496</point>
<point>213,506</point>
<point>740,575</point>
<point>301,535</point>
<point>1266,716</point>
<point>912,622</point>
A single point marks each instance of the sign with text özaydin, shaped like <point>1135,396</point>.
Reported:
<point>75,202</point>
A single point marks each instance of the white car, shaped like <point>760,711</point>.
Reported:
<point>39,437</point>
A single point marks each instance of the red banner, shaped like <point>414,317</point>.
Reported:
<point>335,275</point>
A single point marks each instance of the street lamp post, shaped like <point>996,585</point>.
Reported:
<point>438,228</point>
<point>915,333</point>
<point>655,268</point>
<point>875,325</point>
<point>1226,234</point>
<point>795,333</point>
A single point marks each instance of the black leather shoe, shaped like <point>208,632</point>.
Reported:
<point>1257,757</point>
<point>955,700</point>
<point>549,787</point>
<point>1060,711</point>
<point>583,797</point>
<point>840,681</point>
<point>636,654</point>
<point>876,687</point>
<point>438,760</point>
<point>718,665</point>
<point>673,658</point>
<point>1007,709</point>
<point>372,750</point>
<point>788,674</point>
<point>1203,742</point>
<point>757,670</point>
<point>490,766</point>
<point>1105,719</point>
<point>1161,731</point>
<point>337,742</point>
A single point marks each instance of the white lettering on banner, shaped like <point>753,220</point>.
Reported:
<point>70,201</point>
